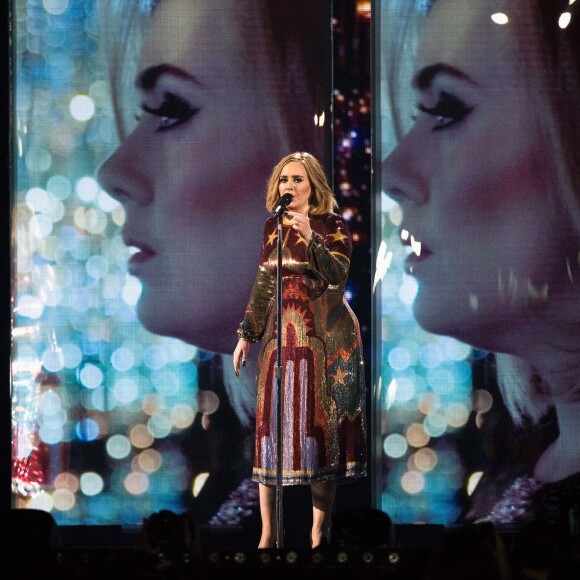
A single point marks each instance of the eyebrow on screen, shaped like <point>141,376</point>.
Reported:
<point>424,77</point>
<point>148,78</point>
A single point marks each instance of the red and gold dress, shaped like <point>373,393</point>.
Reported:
<point>323,383</point>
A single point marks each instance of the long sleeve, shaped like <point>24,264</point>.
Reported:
<point>261,299</point>
<point>329,256</point>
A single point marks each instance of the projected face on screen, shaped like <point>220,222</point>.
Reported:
<point>486,242</point>
<point>191,175</point>
<point>482,189</point>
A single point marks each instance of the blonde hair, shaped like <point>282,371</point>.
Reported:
<point>122,28</point>
<point>321,200</point>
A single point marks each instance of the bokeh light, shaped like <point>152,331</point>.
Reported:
<point>82,107</point>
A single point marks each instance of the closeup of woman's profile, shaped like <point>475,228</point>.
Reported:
<point>322,387</point>
<point>488,181</point>
<point>201,93</point>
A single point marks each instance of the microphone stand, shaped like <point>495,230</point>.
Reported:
<point>279,447</point>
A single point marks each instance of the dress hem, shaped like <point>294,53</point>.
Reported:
<point>302,479</point>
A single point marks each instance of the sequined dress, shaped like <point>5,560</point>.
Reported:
<point>323,388</point>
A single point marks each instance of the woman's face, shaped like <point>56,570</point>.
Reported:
<point>471,180</point>
<point>294,180</point>
<point>191,176</point>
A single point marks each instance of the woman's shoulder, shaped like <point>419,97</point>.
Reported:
<point>331,221</point>
<point>329,218</point>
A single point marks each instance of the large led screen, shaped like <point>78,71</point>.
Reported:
<point>475,290</point>
<point>144,134</point>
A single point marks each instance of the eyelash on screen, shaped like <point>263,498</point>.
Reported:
<point>448,111</point>
<point>172,111</point>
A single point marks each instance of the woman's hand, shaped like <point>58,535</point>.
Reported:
<point>301,223</point>
<point>241,353</point>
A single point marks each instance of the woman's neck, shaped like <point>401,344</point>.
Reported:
<point>554,352</point>
<point>562,458</point>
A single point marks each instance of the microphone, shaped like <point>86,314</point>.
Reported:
<point>282,204</point>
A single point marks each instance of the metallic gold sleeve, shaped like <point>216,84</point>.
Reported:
<point>261,300</point>
<point>331,267</point>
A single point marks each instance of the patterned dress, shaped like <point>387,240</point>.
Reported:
<point>323,388</point>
